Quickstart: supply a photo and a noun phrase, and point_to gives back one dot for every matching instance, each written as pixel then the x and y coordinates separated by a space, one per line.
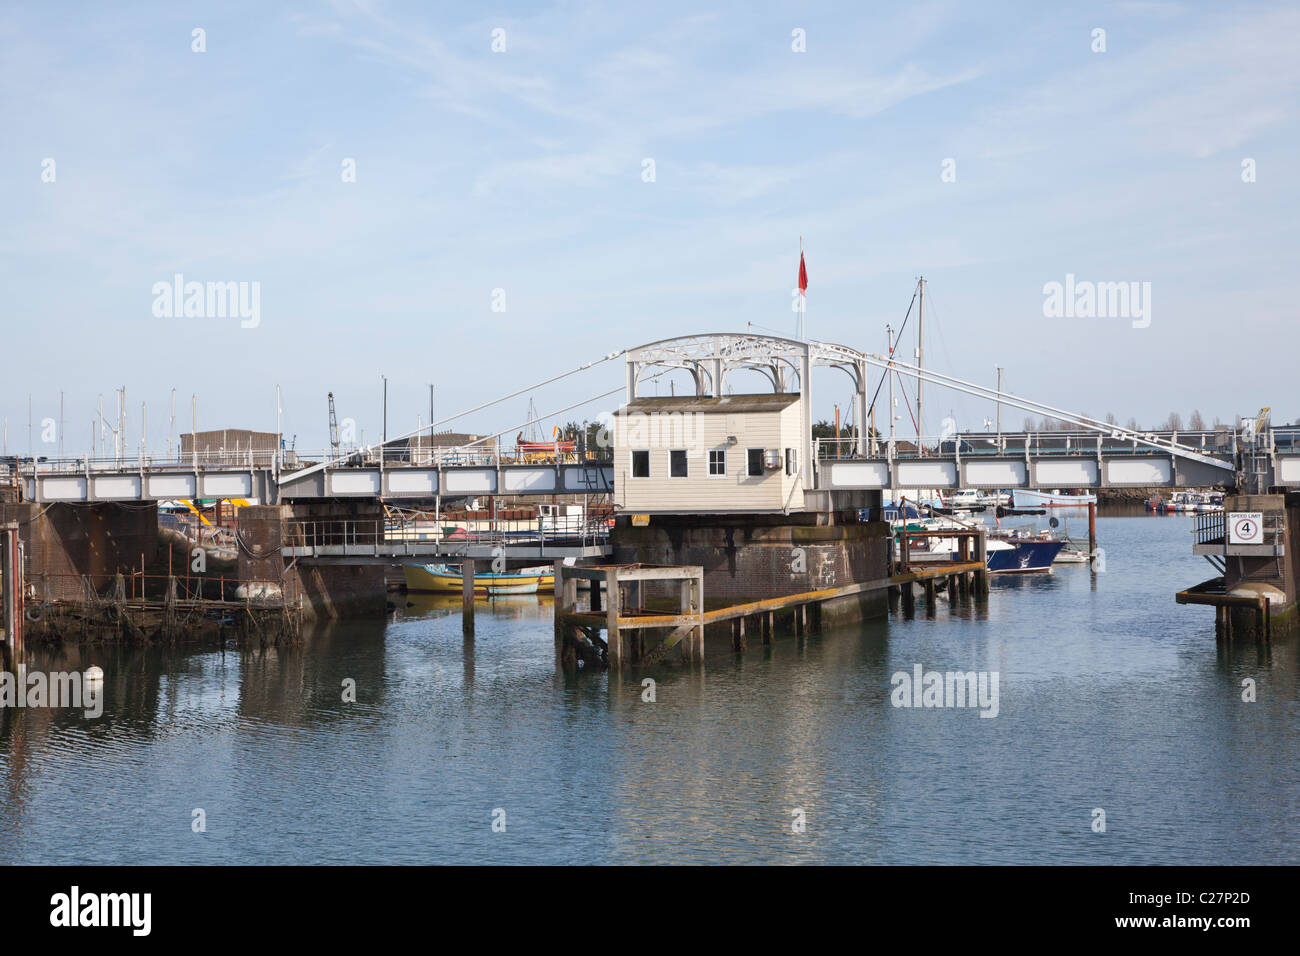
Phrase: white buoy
pixel 94 674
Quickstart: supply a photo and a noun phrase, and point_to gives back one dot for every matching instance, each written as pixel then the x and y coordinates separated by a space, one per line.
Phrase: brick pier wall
pixel 748 558
pixel 64 541
pixel 1250 573
pixel 326 590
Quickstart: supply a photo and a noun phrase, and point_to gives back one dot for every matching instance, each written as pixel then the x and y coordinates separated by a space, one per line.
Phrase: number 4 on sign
pixel 1245 527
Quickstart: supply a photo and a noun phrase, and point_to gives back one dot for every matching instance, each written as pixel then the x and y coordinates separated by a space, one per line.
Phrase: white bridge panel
pixel 233 485
pixel 469 481
pixel 418 482
pixel 1139 471
pixel 588 479
pixel 63 489
pixel 116 488
pixel 353 483
pixel 1065 473
pixel 523 481
pixel 925 474
pixel 856 474
pixel 171 486
pixel 996 473
pixel 1288 470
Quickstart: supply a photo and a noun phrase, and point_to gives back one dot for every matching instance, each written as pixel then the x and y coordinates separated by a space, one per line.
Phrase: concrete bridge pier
pixel 752 557
pixel 65 543
pixel 320 589
pixel 1256 596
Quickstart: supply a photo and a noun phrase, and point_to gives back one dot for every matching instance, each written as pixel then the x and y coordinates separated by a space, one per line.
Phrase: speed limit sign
pixel 1245 527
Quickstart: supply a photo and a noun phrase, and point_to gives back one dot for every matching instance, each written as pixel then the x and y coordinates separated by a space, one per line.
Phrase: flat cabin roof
pixel 727 404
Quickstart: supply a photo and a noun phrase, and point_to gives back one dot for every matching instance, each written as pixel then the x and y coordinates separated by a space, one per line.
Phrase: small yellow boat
pixel 446 579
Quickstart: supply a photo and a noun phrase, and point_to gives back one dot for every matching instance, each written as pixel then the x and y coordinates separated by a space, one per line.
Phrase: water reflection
pixel 1111 695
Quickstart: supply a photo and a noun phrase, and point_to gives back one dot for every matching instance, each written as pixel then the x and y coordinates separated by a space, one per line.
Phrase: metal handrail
pixel 386 535
pixel 1211 527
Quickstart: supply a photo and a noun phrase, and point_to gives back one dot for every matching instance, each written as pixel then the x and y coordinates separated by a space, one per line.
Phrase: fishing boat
pixel 963 499
pixel 1024 498
pixel 446 579
pixel 972 499
pixel 1210 501
pixel 1008 552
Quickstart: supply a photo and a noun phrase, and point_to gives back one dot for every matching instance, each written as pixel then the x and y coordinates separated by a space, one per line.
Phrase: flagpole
pixel 803 301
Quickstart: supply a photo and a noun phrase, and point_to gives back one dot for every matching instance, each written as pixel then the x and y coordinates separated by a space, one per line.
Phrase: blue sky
pixel 522 171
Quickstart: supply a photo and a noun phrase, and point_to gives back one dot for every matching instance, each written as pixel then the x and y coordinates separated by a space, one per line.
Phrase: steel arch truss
pixel 709 358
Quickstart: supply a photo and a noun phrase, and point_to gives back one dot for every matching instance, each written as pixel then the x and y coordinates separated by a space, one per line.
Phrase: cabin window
pixel 792 461
pixel 717 462
pixel 755 462
pixel 641 464
pixel 677 463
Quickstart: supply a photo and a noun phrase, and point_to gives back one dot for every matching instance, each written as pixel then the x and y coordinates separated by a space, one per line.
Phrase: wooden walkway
pixel 625 617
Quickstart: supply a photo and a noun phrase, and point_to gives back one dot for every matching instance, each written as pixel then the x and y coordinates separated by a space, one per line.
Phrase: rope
pixel 907 316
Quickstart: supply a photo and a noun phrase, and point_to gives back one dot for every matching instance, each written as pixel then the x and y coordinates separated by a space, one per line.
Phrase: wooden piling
pixel 691 602
pixel 561 608
pixel 11 588
pixel 1092 532
pixel 909 600
pixel 467 596
pixel 613 606
pixel 738 634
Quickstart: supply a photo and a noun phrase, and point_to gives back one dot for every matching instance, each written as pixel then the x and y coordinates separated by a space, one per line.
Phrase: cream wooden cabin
pixel 729 454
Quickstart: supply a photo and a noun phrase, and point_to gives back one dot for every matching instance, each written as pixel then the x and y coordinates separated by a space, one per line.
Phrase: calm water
pixel 1111 696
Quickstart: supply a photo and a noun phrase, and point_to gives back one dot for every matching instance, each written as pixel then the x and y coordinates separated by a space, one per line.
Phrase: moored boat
pixel 446 579
pixel 1027 555
pixel 1071 553
pixel 1026 498
pixel 1008 552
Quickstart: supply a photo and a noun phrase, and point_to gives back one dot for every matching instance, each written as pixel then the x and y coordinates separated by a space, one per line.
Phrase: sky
pixel 409 202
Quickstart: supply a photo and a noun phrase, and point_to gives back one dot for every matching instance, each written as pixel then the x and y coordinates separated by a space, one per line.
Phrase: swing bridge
pixel 1089 454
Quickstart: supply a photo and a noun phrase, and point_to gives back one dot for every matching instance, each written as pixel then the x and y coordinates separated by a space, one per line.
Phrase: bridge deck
pixel 412 552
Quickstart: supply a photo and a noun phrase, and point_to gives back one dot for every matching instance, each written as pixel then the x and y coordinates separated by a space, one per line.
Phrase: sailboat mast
pixel 920 364
pixel 889 332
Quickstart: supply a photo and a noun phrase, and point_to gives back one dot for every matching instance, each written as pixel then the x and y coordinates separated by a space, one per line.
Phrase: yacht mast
pixel 920 364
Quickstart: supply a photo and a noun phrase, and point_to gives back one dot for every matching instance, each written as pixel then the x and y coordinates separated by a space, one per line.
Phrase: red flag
pixel 803 276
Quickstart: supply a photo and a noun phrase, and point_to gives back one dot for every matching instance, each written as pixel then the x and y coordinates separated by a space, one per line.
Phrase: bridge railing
pixel 1210 528
pixel 1036 443
pixel 388 456
pixel 226 459
pixel 449 533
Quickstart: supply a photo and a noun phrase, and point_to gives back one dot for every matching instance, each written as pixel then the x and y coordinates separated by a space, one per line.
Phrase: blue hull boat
pixel 1026 556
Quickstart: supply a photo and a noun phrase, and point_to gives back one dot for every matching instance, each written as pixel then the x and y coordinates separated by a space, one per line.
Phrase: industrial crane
pixel 334 426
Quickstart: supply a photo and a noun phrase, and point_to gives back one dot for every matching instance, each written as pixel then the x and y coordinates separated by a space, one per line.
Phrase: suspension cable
pixel 496 401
